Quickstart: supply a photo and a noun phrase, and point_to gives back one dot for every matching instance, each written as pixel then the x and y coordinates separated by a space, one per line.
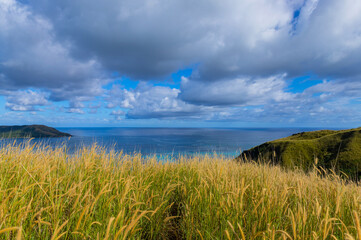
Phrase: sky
pixel 181 63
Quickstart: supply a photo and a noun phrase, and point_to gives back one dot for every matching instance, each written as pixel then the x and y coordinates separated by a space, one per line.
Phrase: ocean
pixel 169 141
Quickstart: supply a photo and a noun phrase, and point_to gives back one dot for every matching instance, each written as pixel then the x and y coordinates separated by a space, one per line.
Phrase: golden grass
pixel 93 194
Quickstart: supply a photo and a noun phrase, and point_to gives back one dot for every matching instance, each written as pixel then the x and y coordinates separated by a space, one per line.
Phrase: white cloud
pixel 118 114
pixel 337 89
pixel 75 110
pixel 148 101
pixel 25 100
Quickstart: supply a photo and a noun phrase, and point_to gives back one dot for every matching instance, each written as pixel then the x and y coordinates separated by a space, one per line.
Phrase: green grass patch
pixel 336 150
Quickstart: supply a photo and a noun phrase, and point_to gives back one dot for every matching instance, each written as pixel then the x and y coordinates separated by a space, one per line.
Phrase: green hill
pixel 32 131
pixel 337 150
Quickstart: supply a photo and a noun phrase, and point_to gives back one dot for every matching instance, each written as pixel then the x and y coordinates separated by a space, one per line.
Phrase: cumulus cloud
pixel 118 114
pixel 239 91
pixel 75 110
pixel 329 102
pixel 151 39
pixel 33 56
pixel 75 106
pixel 155 38
pixel 337 89
pixel 25 100
pixel 148 101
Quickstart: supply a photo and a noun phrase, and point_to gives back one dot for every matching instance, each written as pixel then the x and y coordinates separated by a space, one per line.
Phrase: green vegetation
pixel 93 194
pixel 30 131
pixel 336 150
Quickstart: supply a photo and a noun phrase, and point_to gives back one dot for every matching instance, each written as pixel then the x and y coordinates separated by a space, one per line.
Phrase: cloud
pixel 118 114
pixel 148 101
pixel 33 57
pixel 75 110
pixel 337 89
pixel 244 55
pixel 25 100
pixel 235 92
pixel 152 39
pixel 330 102
pixel 75 106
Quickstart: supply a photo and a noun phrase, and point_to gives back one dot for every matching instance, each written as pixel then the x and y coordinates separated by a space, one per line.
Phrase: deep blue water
pixel 170 141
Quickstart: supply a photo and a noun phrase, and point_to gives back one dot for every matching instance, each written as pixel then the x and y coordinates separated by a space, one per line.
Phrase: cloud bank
pixel 244 55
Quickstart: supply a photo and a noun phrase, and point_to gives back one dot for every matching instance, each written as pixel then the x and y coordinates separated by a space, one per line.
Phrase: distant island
pixel 329 149
pixel 30 131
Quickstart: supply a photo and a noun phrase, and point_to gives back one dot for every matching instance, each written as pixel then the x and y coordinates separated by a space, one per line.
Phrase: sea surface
pixel 169 141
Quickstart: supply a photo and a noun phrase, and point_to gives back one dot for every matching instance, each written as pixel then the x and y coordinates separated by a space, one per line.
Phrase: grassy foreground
pixel 47 194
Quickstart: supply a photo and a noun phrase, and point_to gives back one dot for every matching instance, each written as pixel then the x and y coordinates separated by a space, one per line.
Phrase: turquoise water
pixel 170 141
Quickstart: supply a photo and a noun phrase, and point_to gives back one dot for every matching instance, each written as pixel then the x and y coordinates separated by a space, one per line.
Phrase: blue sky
pixel 231 63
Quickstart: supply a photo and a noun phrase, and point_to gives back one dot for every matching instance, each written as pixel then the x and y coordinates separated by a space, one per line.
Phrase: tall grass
pixel 93 194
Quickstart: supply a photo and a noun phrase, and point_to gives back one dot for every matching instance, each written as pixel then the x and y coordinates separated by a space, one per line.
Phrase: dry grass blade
pixel 241 231
pixel 11 229
pixel 57 230
pixel 357 223
pixel 108 227
pixel 134 223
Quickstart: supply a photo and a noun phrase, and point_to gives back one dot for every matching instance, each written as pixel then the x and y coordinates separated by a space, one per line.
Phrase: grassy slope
pixel 96 195
pixel 32 131
pixel 339 150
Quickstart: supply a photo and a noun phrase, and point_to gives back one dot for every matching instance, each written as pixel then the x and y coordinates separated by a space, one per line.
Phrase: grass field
pixel 94 194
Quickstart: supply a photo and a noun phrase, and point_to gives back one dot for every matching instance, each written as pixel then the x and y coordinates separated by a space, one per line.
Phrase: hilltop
pixel 337 150
pixel 33 131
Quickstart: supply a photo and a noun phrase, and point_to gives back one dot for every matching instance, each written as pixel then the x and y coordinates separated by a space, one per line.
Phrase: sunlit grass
pixel 95 194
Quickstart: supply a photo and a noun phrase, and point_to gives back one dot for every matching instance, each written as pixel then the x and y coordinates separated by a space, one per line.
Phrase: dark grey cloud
pixel 34 58
pixel 235 92
pixel 151 39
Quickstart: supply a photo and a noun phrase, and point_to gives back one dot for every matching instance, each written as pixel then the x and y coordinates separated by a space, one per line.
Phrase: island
pixel 30 131
pixel 339 151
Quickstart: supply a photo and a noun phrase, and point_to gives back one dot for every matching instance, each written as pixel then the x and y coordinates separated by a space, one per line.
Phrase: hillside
pixel 337 150
pixel 34 131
